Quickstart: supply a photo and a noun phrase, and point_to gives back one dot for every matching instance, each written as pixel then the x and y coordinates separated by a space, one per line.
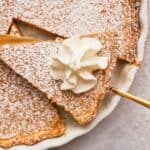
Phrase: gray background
pixel 128 127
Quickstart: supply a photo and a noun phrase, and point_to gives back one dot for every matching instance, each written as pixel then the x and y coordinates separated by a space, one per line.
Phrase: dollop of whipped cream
pixel 77 62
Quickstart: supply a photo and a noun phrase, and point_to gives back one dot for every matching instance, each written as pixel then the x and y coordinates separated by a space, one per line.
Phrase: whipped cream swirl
pixel 77 63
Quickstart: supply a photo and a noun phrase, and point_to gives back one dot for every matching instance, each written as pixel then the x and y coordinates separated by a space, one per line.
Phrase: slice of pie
pixel 26 115
pixel 32 62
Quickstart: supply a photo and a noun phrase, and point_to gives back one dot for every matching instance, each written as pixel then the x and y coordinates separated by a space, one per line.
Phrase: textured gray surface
pixel 128 127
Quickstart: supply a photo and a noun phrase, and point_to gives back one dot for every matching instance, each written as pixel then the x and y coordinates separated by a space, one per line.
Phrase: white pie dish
pixel 123 78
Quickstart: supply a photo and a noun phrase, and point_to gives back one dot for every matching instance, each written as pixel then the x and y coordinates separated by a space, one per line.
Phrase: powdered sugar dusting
pixel 6 14
pixel 23 109
pixel 70 17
